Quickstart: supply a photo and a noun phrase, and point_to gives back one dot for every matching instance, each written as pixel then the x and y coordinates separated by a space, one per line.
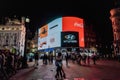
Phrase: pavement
pixel 103 70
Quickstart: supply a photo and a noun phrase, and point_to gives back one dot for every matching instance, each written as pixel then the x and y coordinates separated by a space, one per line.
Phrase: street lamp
pixel 24 63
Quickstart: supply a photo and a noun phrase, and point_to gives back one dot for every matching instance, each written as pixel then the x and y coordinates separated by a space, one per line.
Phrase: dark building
pixel 90 36
pixel 115 20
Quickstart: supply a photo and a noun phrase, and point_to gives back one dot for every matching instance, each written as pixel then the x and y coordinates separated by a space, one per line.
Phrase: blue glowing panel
pixel 54 33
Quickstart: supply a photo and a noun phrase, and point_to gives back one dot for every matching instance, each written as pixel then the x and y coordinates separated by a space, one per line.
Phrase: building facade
pixel 12 35
pixel 115 19
pixel 90 36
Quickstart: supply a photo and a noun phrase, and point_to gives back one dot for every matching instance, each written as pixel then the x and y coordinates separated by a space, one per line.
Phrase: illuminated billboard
pixel 43 31
pixel 50 34
pixel 42 39
pixel 69 39
pixel 74 24
pixel 52 38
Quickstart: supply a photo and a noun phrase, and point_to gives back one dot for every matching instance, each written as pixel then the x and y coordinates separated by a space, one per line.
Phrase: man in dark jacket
pixel 36 55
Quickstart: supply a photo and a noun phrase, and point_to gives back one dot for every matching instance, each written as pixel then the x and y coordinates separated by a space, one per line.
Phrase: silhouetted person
pixel 94 58
pixel 59 69
pixel 36 56
pixel 45 57
pixel 66 58
pixel 50 57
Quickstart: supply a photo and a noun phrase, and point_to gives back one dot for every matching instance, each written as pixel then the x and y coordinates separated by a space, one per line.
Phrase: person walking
pixel 50 58
pixel 94 58
pixel 36 59
pixel 66 58
pixel 59 69
pixel 45 58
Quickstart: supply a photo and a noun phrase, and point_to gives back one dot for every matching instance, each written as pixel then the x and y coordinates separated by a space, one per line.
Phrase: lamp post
pixel 24 62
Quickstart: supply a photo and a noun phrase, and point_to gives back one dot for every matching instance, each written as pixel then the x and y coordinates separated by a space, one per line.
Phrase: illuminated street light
pixel 27 20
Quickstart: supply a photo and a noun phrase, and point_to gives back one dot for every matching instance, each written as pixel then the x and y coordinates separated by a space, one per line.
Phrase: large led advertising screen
pixel 69 39
pixel 50 35
pixel 74 24
pixel 42 37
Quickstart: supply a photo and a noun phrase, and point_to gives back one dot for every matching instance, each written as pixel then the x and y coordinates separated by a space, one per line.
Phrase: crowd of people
pixel 75 58
pixel 68 57
pixel 9 64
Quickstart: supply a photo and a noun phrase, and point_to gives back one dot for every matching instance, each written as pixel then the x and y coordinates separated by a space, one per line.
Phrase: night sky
pixel 94 12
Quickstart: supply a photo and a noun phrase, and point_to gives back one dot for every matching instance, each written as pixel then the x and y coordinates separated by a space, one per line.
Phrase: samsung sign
pixel 69 39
